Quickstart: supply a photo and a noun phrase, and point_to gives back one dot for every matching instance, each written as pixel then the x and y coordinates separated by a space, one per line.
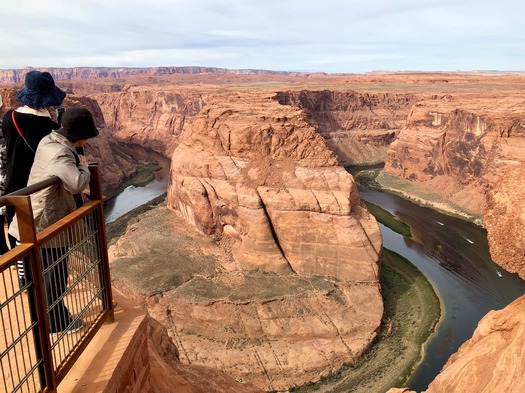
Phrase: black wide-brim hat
pixel 40 91
pixel 78 124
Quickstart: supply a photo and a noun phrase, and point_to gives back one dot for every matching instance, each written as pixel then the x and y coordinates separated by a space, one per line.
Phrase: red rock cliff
pixel 357 126
pixel 460 148
pixel 477 146
pixel 150 116
pixel 257 174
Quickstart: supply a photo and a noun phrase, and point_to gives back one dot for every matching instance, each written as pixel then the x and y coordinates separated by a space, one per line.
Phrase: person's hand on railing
pixel 83 160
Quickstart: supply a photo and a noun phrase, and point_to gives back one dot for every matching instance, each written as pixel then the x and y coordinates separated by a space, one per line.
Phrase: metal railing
pixel 47 321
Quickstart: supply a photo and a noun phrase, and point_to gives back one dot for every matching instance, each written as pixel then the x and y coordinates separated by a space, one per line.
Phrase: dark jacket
pixel 19 156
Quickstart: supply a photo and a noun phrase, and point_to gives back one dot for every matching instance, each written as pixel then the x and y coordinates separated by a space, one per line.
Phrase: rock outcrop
pixel 358 126
pixel 150 116
pixel 492 360
pixel 459 149
pixel 168 374
pixel 258 175
pixel 472 151
pixel 272 330
pixel 505 221
pixel 299 294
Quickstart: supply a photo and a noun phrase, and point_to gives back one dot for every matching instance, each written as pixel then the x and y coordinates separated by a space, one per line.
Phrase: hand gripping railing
pixel 47 321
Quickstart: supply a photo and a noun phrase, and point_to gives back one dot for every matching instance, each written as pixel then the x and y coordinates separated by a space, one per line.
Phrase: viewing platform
pixel 102 347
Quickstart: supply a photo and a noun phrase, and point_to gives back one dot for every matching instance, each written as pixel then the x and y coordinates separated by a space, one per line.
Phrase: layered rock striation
pixel 258 175
pixel 459 149
pixel 12 76
pixel 358 126
pixel 152 117
pixel 298 296
pixel 505 221
pixel 491 361
pixel 471 150
pixel 272 330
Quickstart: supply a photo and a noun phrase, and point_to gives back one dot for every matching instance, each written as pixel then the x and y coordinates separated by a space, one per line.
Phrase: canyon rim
pixel 256 165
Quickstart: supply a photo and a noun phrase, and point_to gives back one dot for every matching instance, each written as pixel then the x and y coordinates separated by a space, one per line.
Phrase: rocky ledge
pixel 272 330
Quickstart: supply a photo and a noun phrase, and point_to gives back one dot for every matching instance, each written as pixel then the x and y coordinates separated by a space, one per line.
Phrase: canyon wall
pixel 491 361
pixel 461 148
pixel 357 126
pixel 12 76
pixel 150 116
pixel 471 150
pixel 505 220
pixel 258 175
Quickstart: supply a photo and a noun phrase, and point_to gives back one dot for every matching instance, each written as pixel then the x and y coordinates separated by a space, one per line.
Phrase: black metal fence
pixel 49 319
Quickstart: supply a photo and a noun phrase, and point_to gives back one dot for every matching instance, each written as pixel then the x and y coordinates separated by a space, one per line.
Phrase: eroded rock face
pixel 492 360
pixel 357 126
pixel 298 296
pixel 459 149
pixel 168 374
pixel 153 117
pixel 11 76
pixel 257 174
pixel 505 221
pixel 268 329
pixel 473 153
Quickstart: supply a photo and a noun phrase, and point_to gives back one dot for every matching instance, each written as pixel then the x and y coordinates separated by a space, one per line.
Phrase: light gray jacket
pixel 55 156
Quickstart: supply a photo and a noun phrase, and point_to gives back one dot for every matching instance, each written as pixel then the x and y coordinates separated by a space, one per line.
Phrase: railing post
pixel 95 189
pixel 37 300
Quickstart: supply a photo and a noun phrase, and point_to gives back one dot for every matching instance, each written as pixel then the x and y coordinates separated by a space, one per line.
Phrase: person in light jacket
pixel 56 155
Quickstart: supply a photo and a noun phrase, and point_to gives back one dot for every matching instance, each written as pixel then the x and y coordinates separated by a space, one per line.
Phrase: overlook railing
pixel 65 267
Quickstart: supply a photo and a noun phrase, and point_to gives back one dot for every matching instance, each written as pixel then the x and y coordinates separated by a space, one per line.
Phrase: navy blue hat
pixel 40 91
pixel 78 124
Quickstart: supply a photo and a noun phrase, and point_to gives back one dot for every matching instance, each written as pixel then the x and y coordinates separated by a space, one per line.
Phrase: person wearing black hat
pixel 56 155
pixel 23 130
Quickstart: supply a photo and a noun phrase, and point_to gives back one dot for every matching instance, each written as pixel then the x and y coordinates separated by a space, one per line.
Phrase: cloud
pixel 330 36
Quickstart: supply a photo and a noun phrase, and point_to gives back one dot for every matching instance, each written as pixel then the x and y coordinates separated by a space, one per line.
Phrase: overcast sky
pixel 353 36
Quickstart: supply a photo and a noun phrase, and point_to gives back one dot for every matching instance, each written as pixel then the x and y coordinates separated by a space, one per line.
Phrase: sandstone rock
pixel 271 330
pixel 358 127
pixel 459 148
pixel 152 117
pixel 8 77
pixel 492 360
pixel 257 174
pixel 505 221
pixel 168 374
